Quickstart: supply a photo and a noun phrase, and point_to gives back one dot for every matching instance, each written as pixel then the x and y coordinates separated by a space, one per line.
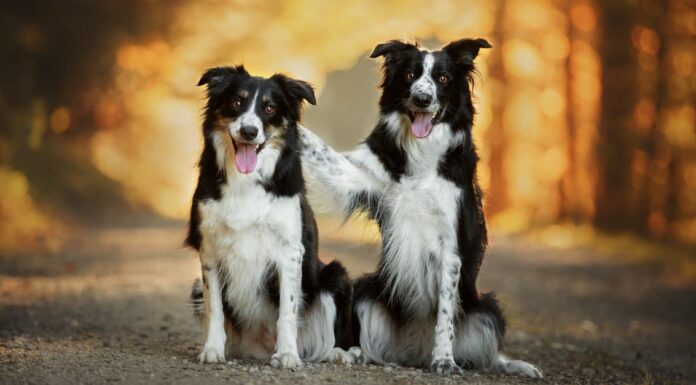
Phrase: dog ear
pixel 464 51
pixel 390 48
pixel 297 89
pixel 218 78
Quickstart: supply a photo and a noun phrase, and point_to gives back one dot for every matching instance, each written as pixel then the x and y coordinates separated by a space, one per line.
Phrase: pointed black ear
pixel 218 77
pixel 464 51
pixel 297 89
pixel 389 48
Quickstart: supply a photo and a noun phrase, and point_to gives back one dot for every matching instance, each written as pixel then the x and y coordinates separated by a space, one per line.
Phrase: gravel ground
pixel 113 309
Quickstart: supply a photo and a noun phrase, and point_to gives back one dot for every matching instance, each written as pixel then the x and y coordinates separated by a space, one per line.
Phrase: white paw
pixel 522 367
pixel 212 355
pixel 354 355
pixel 446 366
pixel 359 357
pixel 286 361
pixel 340 357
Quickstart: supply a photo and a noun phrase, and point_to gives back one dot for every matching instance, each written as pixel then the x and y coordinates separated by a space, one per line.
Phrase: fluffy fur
pixel 415 174
pixel 264 292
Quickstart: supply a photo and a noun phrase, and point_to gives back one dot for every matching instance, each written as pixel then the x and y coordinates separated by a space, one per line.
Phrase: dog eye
pixel 269 110
pixel 236 103
pixel 443 79
pixel 410 76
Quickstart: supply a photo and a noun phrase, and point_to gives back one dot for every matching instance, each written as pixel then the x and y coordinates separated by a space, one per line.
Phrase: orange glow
pixel 552 102
pixel 683 63
pixel 556 46
pixel 522 58
pixel 24 225
pixel 646 40
pixel 60 120
pixel 644 113
pixel 679 126
pixel 538 96
pixel 583 17
pixel 157 106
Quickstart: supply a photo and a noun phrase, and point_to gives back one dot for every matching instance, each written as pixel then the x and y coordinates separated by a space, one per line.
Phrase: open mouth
pixel 422 121
pixel 246 155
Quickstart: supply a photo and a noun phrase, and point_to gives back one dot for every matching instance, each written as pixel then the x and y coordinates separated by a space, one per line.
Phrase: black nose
pixel 248 132
pixel 422 100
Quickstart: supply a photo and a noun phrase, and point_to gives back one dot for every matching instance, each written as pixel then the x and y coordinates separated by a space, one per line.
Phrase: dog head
pixel 426 86
pixel 255 112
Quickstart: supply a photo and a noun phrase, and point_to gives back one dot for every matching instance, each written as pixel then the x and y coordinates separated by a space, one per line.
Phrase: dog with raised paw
pixel 264 293
pixel 415 174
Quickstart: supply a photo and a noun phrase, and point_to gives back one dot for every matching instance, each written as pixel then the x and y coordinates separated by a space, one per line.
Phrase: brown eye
pixel 410 76
pixel 443 79
pixel 269 110
pixel 236 103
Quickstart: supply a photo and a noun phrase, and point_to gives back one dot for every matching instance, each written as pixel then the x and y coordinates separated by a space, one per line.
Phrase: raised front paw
pixel 446 366
pixel 212 355
pixel 286 361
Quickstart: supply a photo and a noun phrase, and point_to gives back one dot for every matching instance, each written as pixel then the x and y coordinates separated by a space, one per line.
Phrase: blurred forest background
pixel 586 108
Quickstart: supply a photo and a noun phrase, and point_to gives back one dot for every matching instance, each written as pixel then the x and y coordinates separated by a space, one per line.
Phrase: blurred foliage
pixel 23 225
pixel 585 108
pixel 57 58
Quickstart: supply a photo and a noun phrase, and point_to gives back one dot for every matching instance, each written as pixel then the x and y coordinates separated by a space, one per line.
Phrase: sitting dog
pixel 415 174
pixel 263 288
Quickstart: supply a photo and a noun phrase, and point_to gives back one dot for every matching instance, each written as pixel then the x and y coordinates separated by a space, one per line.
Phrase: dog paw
pixel 339 356
pixel 286 361
pixel 212 355
pixel 359 357
pixel 354 355
pixel 523 368
pixel 446 366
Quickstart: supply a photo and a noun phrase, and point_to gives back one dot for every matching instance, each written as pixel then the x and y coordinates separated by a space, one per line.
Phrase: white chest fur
pixel 421 227
pixel 246 231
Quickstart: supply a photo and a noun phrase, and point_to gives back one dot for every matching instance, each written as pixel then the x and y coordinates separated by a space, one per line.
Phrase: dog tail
pixel 489 305
pixel 197 300
pixel 334 279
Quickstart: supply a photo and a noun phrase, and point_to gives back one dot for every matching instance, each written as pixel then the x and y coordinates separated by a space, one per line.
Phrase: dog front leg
pixel 214 348
pixel 443 352
pixel 346 181
pixel 290 270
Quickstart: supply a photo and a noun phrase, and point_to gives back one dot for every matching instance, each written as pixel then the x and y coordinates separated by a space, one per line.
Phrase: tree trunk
pixel 614 193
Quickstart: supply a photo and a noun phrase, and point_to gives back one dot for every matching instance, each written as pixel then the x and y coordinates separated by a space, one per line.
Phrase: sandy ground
pixel 113 309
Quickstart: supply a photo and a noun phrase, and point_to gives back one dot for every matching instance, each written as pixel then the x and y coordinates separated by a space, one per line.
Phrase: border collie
pixel 415 174
pixel 263 288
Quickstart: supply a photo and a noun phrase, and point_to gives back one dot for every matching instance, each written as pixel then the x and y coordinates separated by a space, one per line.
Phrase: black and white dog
pixel 264 288
pixel 415 175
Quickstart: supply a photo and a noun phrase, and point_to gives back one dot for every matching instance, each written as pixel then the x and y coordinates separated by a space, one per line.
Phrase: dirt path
pixel 114 310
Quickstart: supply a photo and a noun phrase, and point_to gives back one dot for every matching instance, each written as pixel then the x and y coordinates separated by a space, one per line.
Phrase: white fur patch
pixel 425 84
pixel 214 348
pixel 317 337
pixel 335 178
pixel 248 118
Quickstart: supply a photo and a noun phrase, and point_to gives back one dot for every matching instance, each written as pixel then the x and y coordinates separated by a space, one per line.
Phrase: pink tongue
pixel 422 124
pixel 246 158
